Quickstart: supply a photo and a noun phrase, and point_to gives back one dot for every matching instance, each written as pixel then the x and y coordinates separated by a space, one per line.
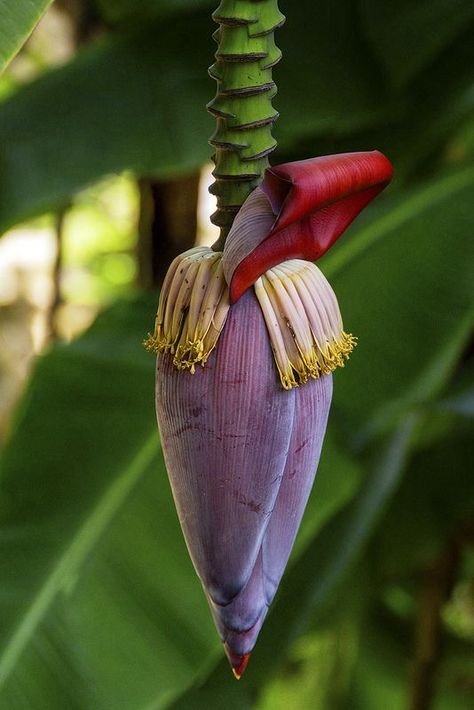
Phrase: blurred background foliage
pixel 104 167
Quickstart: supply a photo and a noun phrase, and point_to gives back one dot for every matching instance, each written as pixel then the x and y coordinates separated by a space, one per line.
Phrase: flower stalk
pixel 242 106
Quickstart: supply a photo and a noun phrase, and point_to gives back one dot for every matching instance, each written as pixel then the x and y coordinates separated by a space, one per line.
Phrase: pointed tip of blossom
pixel 238 663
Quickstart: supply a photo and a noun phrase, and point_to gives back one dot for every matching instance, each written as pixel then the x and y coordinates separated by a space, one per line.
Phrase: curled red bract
pixel 314 201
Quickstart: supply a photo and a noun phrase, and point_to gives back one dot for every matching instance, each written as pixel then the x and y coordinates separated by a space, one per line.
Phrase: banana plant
pixel 248 333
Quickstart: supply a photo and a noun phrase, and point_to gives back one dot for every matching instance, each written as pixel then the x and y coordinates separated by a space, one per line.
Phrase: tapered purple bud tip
pixel 237 663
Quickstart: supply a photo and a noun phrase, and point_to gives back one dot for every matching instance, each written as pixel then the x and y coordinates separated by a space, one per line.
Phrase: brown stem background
pixel 436 588
pixel 167 227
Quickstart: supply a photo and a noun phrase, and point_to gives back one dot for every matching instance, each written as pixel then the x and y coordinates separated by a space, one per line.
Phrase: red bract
pixel 314 201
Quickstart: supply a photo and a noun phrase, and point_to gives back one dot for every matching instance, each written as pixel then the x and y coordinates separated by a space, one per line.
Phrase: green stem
pixel 243 104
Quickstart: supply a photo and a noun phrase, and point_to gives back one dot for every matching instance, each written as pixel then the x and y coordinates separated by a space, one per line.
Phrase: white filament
pixel 303 322
pixel 193 308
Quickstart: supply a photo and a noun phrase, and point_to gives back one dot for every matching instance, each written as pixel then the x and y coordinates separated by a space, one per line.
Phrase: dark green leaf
pixel 408 35
pixel 338 480
pixel 123 10
pixel 404 282
pixel 434 501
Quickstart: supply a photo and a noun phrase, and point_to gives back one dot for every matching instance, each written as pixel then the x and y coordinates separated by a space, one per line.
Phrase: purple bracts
pixel 241 454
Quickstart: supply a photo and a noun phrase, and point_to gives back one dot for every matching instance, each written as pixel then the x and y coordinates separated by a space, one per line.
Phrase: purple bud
pixel 241 453
pixel 243 393
pixel 225 433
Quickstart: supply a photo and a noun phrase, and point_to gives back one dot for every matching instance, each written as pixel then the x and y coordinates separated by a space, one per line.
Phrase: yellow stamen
pixel 295 331
pixel 303 321
pixel 192 310
pixel 276 331
pixel 298 304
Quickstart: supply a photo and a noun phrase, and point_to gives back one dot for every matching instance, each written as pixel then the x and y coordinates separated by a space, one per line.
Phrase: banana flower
pixel 247 340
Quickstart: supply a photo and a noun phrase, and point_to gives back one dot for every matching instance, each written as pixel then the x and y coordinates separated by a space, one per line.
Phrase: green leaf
pixel 318 666
pixel 338 480
pixel 404 283
pixel 137 101
pixel 344 95
pixel 335 550
pixel 380 673
pixel 435 499
pixel 130 102
pixel 17 20
pixel 319 669
pixel 407 36
pixel 462 142
pixel 100 605
pixel 383 673
pixel 419 129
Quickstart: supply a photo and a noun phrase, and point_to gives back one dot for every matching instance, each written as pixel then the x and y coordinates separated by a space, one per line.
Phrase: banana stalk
pixel 243 103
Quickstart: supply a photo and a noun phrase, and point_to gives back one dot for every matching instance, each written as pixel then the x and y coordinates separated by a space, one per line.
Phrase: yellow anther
pixel 192 310
pixel 303 321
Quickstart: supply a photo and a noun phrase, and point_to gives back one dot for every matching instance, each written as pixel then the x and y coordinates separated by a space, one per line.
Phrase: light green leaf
pixel 17 21
pixel 318 668
pixel 100 605
pixel 404 283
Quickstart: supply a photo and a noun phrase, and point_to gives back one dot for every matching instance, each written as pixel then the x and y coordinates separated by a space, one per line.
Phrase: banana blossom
pixel 247 340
